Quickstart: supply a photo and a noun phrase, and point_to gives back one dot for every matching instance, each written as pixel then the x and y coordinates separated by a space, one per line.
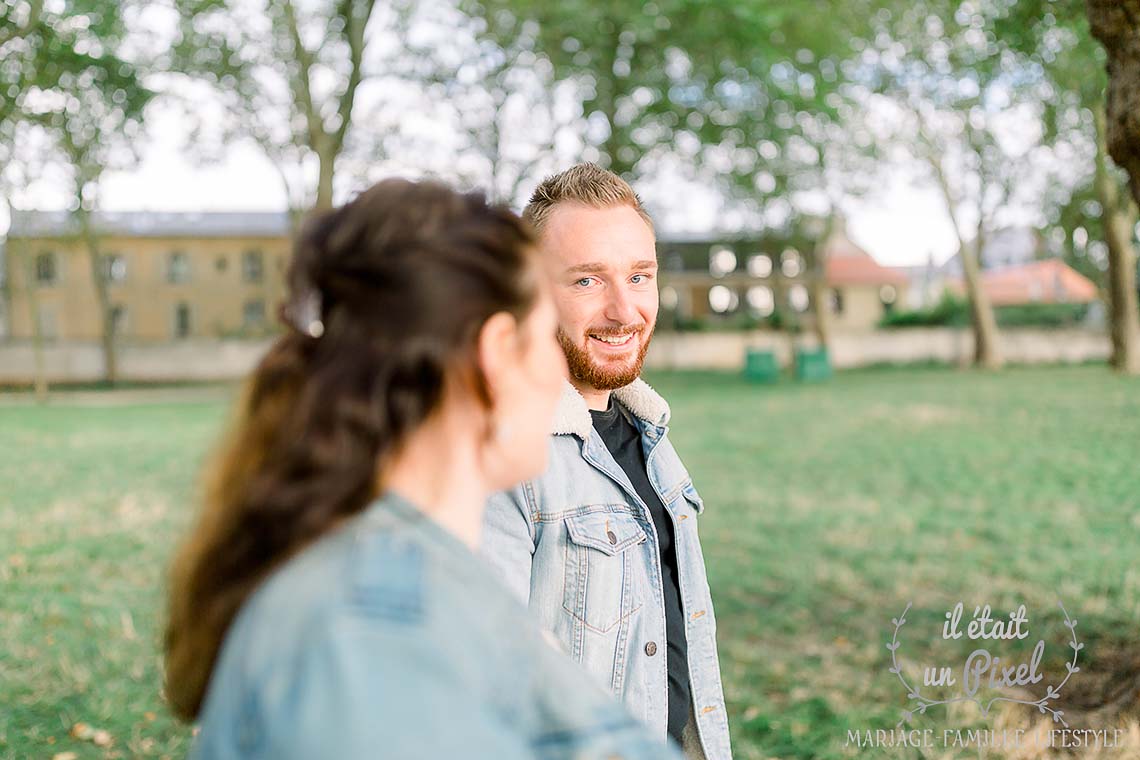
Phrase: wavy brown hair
pixel 405 276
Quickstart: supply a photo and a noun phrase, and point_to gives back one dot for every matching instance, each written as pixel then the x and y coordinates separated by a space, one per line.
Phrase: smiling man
pixel 604 545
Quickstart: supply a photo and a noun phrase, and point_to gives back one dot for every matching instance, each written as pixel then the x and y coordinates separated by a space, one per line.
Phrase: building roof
pixel 1006 247
pixel 848 264
pixel 861 271
pixel 1046 281
pixel 53 224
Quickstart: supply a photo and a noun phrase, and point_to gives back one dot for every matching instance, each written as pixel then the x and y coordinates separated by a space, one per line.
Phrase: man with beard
pixel 604 545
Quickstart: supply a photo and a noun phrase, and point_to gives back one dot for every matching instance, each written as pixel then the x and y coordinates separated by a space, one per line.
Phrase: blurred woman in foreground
pixel 328 603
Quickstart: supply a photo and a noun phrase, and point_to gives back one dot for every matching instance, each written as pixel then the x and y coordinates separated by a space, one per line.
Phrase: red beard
pixel 601 377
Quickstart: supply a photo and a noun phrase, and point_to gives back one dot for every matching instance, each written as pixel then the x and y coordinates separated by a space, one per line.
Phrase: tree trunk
pixel 987 353
pixel 1119 220
pixel 1116 23
pixel 327 159
pixel 102 298
pixel 820 302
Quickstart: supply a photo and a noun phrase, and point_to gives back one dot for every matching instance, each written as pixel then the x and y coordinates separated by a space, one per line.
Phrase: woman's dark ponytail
pixel 387 295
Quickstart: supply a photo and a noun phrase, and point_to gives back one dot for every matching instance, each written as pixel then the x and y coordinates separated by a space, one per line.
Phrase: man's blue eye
pixel 584 280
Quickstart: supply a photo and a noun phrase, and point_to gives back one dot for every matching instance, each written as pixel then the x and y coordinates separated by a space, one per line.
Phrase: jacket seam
pixel 530 513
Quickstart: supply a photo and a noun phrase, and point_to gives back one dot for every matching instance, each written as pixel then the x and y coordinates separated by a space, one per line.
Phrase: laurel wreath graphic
pixel 921 702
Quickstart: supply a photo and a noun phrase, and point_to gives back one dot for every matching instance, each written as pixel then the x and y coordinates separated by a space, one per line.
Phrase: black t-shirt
pixel 624 442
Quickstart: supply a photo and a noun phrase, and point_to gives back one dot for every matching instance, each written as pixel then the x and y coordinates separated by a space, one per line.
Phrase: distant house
pixel 925 284
pixel 1048 281
pixel 1007 247
pixel 1005 253
pixel 862 290
pixel 169 276
pixel 721 278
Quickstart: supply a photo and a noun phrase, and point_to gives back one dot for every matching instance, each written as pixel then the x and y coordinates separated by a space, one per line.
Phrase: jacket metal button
pixel 651 648
pixel 610 535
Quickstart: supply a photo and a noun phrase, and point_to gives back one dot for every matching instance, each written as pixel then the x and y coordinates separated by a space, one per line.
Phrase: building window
pixel 221 263
pixel 723 300
pixel 798 298
pixel 114 267
pixel 837 301
pixel 721 261
pixel 118 319
pixel 253 314
pixel 252 266
pixel 46 273
pixel 759 265
pixel 790 263
pixel 760 300
pixel 888 295
pixel 182 321
pixel 177 267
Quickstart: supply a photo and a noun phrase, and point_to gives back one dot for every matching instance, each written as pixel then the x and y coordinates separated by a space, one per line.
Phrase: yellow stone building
pixel 178 276
pixel 170 276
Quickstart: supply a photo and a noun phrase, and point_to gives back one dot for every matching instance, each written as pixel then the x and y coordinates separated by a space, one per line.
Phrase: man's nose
pixel 620 306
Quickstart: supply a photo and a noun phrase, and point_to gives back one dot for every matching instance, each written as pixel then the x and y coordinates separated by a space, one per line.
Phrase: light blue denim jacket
pixel 580 546
pixel 390 639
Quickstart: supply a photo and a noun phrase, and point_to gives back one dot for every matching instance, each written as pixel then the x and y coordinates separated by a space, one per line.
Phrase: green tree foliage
pixel 676 76
pixel 1056 38
pixel 287 73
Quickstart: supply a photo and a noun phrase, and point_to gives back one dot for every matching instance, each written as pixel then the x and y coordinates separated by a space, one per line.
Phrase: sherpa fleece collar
pixel 572 417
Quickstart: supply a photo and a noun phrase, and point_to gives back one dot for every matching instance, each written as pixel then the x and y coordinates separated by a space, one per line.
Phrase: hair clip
pixel 307 314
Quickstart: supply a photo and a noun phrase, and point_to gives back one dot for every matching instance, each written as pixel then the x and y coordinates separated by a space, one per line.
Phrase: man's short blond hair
pixel 584 183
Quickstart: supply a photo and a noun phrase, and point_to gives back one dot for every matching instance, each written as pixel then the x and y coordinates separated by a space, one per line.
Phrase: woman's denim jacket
pixel 389 638
pixel 579 545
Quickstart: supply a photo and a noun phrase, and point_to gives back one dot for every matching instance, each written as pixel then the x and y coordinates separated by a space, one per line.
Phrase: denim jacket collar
pixel 572 416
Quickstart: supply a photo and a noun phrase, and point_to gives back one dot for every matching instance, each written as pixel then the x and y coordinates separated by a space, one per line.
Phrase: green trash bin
pixel 761 366
pixel 813 365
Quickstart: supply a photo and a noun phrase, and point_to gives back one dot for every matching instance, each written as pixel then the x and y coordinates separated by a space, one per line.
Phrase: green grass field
pixel 828 508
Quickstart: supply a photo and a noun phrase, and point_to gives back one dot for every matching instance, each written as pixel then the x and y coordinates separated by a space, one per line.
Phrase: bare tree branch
pixel 301 78
pixel 354 31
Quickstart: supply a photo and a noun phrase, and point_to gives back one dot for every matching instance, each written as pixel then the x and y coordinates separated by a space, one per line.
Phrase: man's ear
pixel 497 348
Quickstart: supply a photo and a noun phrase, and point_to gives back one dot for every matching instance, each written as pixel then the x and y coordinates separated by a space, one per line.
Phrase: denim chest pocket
pixel 689 491
pixel 600 589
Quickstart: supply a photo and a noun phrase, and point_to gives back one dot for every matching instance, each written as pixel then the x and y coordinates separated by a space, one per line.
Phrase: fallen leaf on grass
pixel 86 733
pixel 64 756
